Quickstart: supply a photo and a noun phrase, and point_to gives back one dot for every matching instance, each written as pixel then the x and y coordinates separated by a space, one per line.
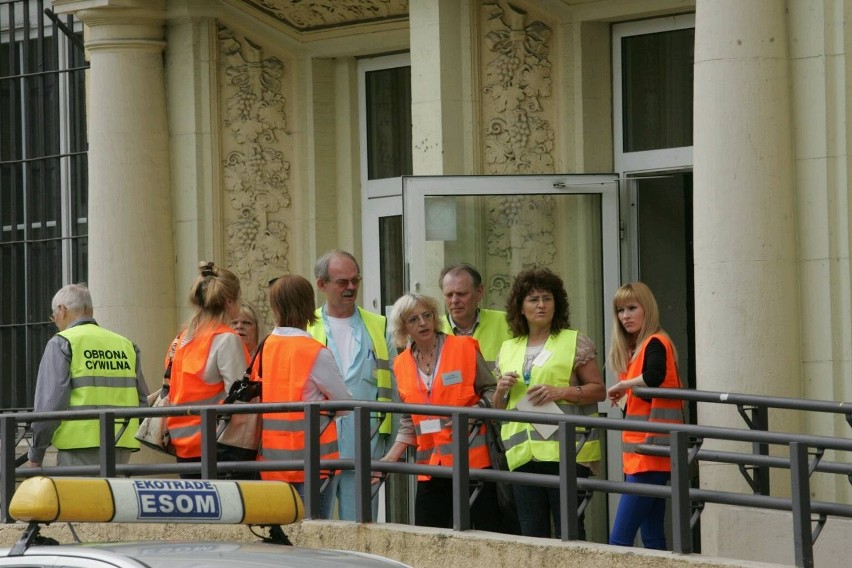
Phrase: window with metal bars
pixel 43 182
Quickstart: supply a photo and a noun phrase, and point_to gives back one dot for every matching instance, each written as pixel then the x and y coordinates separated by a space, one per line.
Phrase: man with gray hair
pixel 461 285
pixel 84 366
pixel 363 350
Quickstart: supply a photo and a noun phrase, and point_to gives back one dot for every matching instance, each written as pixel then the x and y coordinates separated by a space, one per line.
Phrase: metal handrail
pixel 683 497
pixel 746 399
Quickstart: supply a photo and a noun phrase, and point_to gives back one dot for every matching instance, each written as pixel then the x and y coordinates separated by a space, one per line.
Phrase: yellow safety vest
pixel 103 375
pixel 492 331
pixel 376 326
pixel 522 441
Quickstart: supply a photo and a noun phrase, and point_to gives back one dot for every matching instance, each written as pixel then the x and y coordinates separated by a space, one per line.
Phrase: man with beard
pixel 363 351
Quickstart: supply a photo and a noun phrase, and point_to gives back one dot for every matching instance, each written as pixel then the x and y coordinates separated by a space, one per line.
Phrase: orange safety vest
pixel 457 366
pixel 187 387
pixel 288 363
pixel 655 410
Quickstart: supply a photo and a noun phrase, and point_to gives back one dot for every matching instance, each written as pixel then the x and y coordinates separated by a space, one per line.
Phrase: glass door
pixel 504 224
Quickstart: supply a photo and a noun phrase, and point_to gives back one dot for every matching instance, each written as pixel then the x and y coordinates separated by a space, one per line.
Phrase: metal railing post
pixel 461 473
pixel 312 461
pixel 8 434
pixel 568 482
pixel 107 449
pixel 209 458
pixel 801 501
pixel 681 509
pixel 363 455
pixel 760 421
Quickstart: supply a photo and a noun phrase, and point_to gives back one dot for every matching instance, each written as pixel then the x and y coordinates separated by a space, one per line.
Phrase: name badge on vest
pixel 430 426
pixel 542 358
pixel 451 378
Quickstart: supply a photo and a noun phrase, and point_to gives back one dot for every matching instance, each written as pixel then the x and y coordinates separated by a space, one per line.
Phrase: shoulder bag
pixel 153 431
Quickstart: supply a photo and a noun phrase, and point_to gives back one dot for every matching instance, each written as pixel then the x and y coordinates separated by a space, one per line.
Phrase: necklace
pixel 427 363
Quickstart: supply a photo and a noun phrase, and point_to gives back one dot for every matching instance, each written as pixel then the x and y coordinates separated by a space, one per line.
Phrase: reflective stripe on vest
pixel 288 361
pixel 657 410
pixel 491 332
pixel 187 387
pixel 458 354
pixel 522 441
pixel 376 326
pixel 103 375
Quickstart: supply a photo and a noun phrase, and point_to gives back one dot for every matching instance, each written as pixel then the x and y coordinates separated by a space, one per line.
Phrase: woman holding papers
pixel 643 355
pixel 545 367
pixel 442 370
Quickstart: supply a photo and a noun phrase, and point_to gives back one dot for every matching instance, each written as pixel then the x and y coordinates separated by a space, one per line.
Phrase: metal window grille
pixel 43 182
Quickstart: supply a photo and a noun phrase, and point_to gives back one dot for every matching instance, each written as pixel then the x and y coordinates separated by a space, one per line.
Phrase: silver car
pixel 190 555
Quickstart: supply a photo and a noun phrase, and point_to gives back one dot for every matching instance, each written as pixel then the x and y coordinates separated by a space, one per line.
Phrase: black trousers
pixel 226 453
pixel 433 505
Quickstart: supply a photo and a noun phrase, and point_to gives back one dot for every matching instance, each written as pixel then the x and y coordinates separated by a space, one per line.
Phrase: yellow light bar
pixel 76 499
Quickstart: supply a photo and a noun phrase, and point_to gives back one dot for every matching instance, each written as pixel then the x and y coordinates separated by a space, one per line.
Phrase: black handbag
pixel 246 389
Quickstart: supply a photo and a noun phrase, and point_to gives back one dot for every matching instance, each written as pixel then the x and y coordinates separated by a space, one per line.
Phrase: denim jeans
pixel 538 505
pixel 326 497
pixel 638 512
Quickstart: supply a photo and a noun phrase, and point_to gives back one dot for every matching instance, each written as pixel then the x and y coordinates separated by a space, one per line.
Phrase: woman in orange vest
pixel 207 357
pixel 643 355
pixel 444 370
pixel 295 367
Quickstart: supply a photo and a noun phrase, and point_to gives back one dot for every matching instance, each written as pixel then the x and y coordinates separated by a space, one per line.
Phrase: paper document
pixel 546 430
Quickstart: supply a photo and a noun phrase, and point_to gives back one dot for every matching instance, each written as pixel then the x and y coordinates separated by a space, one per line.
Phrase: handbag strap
pixel 258 354
pixel 233 394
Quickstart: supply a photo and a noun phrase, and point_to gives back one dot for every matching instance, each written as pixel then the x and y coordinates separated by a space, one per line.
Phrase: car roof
pixel 185 554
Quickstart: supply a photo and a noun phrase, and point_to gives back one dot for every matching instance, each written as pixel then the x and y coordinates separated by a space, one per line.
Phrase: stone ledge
pixel 420 547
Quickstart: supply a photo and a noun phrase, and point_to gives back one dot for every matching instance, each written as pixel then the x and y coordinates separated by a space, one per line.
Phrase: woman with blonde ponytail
pixel 207 357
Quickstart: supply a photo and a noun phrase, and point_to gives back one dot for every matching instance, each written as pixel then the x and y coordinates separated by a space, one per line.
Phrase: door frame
pixel 417 188
pixel 372 211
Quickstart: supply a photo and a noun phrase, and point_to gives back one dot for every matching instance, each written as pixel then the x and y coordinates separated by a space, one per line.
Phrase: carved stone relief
pixel 255 167
pixel 518 137
pixel 320 14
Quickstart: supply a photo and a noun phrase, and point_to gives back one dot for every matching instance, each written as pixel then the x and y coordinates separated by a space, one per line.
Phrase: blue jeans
pixel 637 512
pixel 326 498
pixel 537 505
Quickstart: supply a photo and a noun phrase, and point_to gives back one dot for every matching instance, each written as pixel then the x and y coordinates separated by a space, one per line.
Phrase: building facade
pixel 260 133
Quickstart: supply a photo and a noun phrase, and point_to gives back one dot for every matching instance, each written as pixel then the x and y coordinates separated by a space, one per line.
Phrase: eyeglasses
pixel 344 282
pixel 53 313
pixel 425 316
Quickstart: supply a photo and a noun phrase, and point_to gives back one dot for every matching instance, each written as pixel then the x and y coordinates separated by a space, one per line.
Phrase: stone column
pixel 437 62
pixel 747 312
pixel 131 244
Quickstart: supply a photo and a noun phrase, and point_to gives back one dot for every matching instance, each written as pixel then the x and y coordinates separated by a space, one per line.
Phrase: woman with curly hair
pixel 545 363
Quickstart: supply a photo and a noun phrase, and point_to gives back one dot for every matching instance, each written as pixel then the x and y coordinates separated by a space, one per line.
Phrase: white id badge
pixel 451 378
pixel 430 426
pixel 542 357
